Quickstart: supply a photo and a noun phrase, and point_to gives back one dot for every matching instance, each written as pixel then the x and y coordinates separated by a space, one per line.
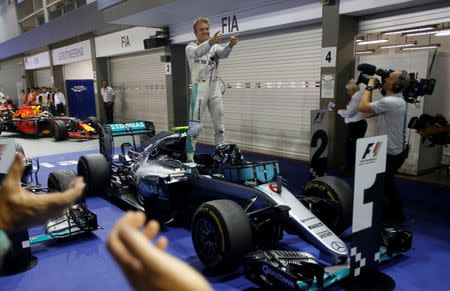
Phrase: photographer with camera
pixel 391 112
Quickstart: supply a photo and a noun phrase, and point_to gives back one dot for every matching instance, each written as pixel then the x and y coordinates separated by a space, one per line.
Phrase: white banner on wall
pixel 37 61
pixel 262 17
pixel 122 42
pixel 72 53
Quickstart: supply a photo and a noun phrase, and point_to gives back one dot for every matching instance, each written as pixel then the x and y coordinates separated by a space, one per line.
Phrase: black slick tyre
pixel 221 234
pixel 59 181
pixel 337 191
pixel 96 173
pixel 59 130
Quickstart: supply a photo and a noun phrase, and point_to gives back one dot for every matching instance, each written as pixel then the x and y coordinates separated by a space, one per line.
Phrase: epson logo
pixel 280 277
pixel 316 225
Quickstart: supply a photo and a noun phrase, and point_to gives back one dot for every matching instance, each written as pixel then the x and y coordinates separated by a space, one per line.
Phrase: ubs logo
pixel 78 89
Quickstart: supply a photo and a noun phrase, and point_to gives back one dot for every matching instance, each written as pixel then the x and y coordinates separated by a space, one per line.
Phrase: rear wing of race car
pixel 132 128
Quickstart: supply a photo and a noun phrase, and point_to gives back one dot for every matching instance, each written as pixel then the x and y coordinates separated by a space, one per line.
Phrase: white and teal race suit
pixel 203 62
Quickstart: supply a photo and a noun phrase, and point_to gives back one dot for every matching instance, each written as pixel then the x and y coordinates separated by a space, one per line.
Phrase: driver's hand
pixel 217 37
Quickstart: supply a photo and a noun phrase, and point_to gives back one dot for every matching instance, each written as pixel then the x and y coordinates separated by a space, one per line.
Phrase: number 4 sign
pixel 168 68
pixel 329 57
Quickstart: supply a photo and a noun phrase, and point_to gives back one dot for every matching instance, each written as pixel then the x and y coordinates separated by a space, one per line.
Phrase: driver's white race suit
pixel 203 62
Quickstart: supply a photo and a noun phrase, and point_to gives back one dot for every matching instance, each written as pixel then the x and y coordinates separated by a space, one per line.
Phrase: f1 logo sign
pixel 372 148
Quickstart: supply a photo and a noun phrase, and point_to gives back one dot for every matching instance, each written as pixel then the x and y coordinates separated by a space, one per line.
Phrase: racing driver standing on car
pixel 203 58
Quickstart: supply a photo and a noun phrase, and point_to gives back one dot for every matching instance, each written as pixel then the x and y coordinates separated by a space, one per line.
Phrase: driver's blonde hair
pixel 200 20
pixel 352 85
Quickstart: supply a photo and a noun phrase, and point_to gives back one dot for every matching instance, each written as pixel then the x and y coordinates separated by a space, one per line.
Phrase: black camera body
pixel 411 90
pixel 424 121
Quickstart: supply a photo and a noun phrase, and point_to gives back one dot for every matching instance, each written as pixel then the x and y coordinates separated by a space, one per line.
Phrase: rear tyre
pixel 334 190
pixel 59 130
pixel 92 120
pixel 96 173
pixel 221 234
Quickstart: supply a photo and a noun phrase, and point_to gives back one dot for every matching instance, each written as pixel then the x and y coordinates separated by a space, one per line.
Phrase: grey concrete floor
pixel 45 146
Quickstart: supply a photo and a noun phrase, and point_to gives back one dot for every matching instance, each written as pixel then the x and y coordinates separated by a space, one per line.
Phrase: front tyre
pixel 96 173
pixel 221 234
pixel 334 191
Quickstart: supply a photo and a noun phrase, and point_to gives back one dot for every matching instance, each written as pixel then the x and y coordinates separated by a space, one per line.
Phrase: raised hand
pixel 216 38
pixel 233 39
pixel 146 265
pixel 20 208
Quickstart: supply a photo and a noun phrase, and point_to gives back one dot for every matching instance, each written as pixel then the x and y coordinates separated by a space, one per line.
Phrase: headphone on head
pixel 399 85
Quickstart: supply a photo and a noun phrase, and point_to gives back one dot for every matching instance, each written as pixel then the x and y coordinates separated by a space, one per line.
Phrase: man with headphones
pixel 391 113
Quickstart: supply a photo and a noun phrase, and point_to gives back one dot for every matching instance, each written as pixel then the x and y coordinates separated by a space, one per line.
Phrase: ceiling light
pixel 409 30
pixel 364 52
pixel 424 47
pixel 443 32
pixel 398 45
pixel 420 33
pixel 372 41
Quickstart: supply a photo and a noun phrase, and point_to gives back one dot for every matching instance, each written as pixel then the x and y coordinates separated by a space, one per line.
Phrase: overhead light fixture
pixel 423 47
pixel 398 45
pixel 409 30
pixel 364 52
pixel 443 32
pixel 372 41
pixel 420 33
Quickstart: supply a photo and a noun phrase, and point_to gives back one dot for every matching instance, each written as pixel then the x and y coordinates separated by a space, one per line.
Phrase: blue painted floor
pixel 85 264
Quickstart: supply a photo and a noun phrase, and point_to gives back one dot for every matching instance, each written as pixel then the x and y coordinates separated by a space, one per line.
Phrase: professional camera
pixel 425 121
pixel 411 91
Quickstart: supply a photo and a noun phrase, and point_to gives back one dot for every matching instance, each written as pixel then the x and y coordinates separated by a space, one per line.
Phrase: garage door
pixel 139 81
pixel 272 82
pixel 11 81
pixel 43 77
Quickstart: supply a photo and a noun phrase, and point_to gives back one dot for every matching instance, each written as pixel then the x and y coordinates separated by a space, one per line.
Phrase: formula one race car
pixel 232 205
pixel 32 120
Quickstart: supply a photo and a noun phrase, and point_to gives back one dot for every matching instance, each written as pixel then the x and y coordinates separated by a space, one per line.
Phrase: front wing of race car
pixel 78 219
pixel 295 270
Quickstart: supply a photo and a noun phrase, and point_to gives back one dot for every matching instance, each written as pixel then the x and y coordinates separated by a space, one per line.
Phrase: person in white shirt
pixel 203 58
pixel 355 121
pixel 60 102
pixel 109 96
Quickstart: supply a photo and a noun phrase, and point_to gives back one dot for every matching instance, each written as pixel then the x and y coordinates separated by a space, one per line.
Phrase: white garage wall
pixel 79 71
pixel 140 85
pixel 43 77
pixel 11 73
pixel 273 81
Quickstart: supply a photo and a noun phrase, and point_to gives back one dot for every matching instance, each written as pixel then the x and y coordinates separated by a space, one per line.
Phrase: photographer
pixel 391 112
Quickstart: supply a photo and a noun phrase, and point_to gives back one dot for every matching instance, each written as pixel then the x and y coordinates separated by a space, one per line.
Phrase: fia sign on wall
pixel 370 165
pixel 318 143
pixel 124 41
